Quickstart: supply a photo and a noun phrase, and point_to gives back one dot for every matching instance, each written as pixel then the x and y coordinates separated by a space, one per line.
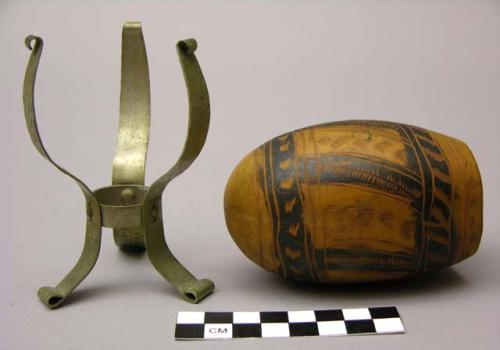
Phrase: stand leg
pixel 190 288
pixel 133 133
pixel 53 297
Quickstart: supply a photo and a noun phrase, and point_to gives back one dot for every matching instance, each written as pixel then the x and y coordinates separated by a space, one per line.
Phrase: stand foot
pixel 189 287
pixel 50 297
pixel 53 297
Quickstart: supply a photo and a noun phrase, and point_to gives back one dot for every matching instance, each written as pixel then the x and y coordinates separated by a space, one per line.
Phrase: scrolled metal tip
pixel 187 46
pixel 50 297
pixel 199 290
pixel 29 41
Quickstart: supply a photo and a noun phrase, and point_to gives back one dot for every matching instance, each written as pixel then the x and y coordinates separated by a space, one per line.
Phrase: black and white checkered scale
pixel 193 325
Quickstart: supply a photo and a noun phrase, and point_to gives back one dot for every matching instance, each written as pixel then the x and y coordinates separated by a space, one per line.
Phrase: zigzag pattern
pixel 438 228
pixel 287 211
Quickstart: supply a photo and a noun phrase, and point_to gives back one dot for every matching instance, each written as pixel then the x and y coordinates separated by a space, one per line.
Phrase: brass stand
pixel 131 209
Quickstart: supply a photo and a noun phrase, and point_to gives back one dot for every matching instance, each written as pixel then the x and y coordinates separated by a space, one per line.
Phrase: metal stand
pixel 130 208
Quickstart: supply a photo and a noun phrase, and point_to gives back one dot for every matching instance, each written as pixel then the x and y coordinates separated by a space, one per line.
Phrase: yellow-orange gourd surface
pixel 356 201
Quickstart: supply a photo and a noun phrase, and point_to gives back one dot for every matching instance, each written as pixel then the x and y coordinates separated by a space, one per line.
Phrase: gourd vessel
pixel 356 201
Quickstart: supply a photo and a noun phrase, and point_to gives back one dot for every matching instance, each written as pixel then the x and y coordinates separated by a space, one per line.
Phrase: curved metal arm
pixel 29 108
pixel 192 289
pixel 135 109
pixel 131 151
pixel 53 297
pixel 199 116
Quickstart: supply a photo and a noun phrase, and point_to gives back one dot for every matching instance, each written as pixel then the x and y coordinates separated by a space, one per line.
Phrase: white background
pixel 271 67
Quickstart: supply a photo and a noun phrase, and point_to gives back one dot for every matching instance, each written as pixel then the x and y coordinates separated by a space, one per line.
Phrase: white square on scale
pixel 389 325
pixel 356 314
pixel 301 316
pixel 218 331
pixel 275 330
pixel 332 328
pixel 190 317
pixel 246 317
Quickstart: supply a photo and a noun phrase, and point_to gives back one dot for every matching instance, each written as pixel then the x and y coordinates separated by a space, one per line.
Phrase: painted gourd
pixel 356 201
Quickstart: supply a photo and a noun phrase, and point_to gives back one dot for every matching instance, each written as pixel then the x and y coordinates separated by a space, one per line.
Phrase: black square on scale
pixel 273 316
pixel 247 330
pixel 360 326
pixel 384 312
pixel 188 331
pixel 329 315
pixel 218 317
pixel 303 329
